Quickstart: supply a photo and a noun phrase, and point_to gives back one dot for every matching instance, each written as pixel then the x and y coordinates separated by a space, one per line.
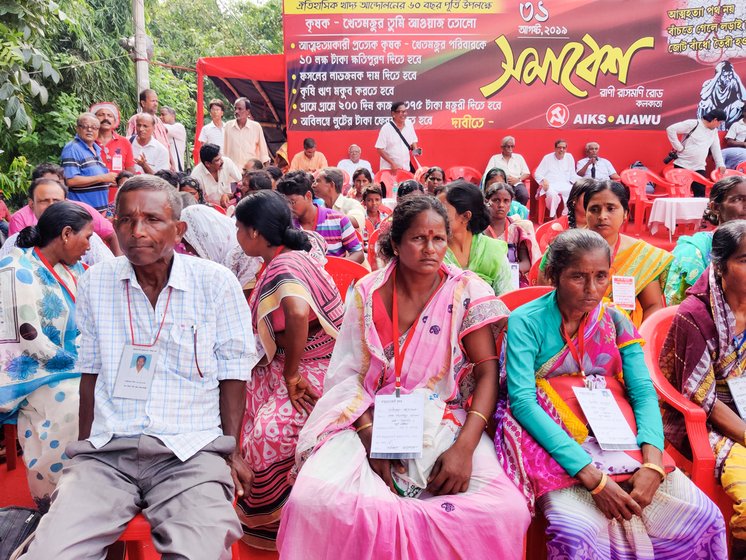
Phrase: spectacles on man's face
pixel 511 146
pixel 89 126
pixel 401 111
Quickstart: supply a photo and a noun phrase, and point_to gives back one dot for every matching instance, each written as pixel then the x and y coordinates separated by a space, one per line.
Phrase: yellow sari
pixel 646 263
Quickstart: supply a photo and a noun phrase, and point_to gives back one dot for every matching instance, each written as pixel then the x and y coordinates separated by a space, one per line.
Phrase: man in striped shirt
pixel 86 175
pixel 334 227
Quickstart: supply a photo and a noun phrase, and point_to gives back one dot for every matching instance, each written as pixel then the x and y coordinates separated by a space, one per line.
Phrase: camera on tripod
pixel 672 155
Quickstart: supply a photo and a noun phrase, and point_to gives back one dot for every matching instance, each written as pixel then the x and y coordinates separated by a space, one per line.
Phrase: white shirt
pixel 391 143
pixel 213 189
pixel 604 169
pixel 350 166
pixel 177 144
pixel 211 134
pixel 514 167
pixel 737 131
pixel 156 155
pixel 558 172
pixel 693 155
pixel 351 208
pixel 183 408
pixel 97 253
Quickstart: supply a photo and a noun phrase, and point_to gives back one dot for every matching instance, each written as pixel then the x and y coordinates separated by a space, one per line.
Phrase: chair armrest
pixel 695 418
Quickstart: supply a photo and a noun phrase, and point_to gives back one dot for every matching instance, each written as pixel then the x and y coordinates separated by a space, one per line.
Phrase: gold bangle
pixel 482 416
pixel 294 380
pixel 656 468
pixel 363 427
pixel 601 485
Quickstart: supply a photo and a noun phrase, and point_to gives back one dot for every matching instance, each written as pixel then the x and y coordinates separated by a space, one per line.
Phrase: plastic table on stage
pixel 671 212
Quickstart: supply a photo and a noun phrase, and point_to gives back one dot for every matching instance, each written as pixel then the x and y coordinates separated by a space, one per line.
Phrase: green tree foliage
pixel 57 58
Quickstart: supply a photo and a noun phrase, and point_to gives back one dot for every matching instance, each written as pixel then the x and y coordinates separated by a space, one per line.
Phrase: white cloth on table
pixel 672 211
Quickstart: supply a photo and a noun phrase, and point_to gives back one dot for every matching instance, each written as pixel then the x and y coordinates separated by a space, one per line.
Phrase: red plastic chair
pixel 10 435
pixel 702 466
pixel 533 274
pixel 716 175
pixel 546 232
pixel 138 534
pixel 641 205
pixel 386 176
pixel 113 194
pixel 741 167
pixel 516 298
pixel 344 273
pixel 639 178
pixel 462 172
pixel 685 178
pixel 372 242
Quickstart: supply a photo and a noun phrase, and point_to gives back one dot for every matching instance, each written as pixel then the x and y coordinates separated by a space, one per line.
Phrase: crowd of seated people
pixel 257 359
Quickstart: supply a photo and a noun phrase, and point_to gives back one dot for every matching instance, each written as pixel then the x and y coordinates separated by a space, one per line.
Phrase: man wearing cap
pixel 243 138
pixel 116 151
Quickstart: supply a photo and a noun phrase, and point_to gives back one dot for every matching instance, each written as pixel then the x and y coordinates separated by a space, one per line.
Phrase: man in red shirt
pixel 116 151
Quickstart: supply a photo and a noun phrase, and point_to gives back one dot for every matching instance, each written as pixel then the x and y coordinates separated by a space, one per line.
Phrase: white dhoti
pixel 558 190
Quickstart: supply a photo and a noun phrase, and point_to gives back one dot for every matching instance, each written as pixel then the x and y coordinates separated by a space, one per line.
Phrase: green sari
pixel 488 258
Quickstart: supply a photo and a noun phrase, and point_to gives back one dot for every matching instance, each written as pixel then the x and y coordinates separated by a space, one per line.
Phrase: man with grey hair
pixel 515 168
pixel 353 161
pixel 163 442
pixel 176 137
pixel 86 174
pixel 149 104
pixel 328 187
pixel 594 167
pixel 243 137
pixel 150 155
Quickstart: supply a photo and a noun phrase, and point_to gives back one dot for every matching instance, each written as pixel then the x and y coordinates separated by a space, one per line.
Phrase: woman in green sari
pixel 468 247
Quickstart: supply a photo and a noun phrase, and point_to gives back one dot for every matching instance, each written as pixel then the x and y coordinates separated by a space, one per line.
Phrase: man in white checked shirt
pixel 167 448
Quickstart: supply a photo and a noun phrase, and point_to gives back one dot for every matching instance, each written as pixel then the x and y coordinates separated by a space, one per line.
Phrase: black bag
pixel 16 524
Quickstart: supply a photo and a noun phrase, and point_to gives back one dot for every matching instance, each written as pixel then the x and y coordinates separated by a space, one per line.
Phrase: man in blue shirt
pixel 86 175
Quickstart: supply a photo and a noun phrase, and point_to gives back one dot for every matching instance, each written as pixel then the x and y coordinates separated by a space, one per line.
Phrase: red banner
pixel 462 64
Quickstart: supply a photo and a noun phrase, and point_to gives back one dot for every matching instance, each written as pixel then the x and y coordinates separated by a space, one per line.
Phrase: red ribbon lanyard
pixel 51 269
pixel 279 250
pixel 577 351
pixel 399 353
pixel 163 319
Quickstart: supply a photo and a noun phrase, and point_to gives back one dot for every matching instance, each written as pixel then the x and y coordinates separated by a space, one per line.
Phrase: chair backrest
pixel 372 241
pixel 462 172
pixel 716 175
pixel 685 178
pixel 545 233
pixel 533 274
pixel 344 273
pixel 741 167
pixel 387 177
pixel 639 179
pixel 516 298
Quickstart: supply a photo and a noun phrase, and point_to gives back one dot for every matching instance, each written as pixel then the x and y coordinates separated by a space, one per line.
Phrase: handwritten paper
pixel 606 419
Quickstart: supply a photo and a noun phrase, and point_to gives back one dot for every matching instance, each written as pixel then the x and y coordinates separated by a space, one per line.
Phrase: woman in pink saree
pixel 453 502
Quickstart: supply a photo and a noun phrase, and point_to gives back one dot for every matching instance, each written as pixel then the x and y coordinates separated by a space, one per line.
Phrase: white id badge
pixel 623 292
pixel 609 425
pixel 515 276
pixel 135 374
pixel 116 163
pixel 737 386
pixel 398 427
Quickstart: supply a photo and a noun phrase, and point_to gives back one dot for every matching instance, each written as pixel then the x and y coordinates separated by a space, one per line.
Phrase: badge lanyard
pixel 577 351
pixel 53 272
pixel 163 319
pixel 616 247
pixel 399 353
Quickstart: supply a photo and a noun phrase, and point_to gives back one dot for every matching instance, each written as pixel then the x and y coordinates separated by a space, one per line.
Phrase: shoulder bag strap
pixel 396 128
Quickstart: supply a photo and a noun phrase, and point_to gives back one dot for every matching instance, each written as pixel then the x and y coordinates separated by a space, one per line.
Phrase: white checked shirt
pixel 182 409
